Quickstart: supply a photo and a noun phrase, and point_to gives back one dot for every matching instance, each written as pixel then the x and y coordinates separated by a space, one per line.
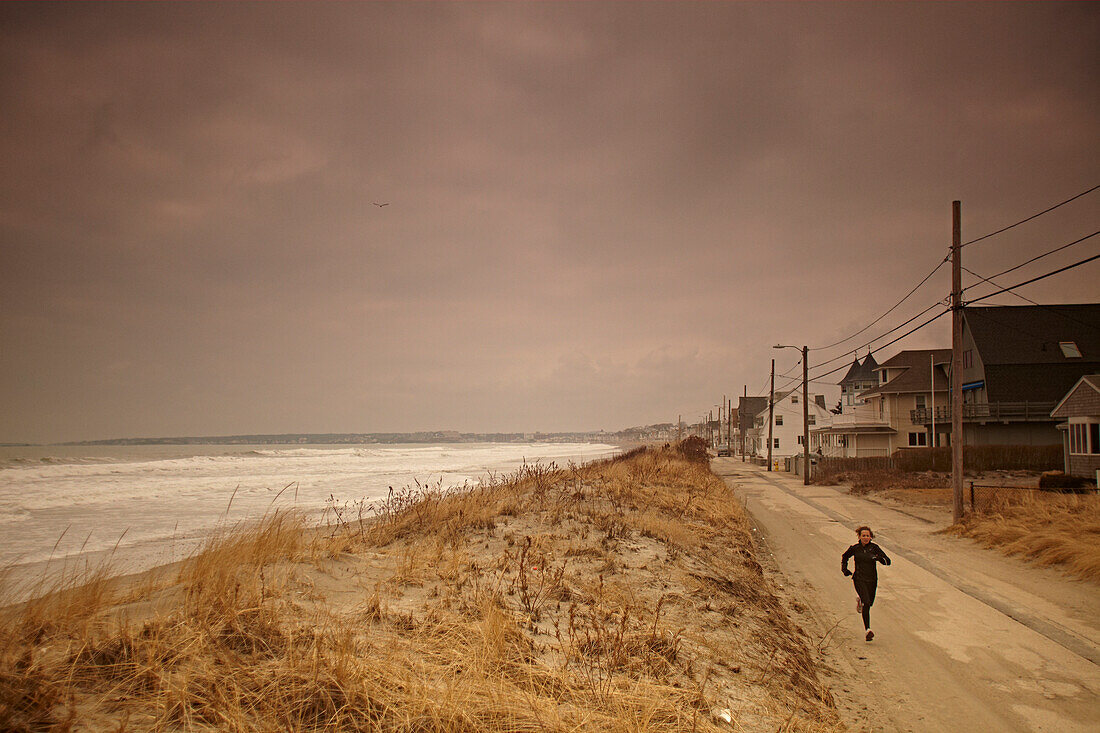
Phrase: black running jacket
pixel 865 556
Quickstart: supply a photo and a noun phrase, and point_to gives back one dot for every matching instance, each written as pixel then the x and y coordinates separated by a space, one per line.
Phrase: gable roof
pixel 1090 380
pixel 917 375
pixel 1030 334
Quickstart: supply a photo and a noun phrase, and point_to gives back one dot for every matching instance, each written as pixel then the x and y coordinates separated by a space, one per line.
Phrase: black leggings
pixel 865 589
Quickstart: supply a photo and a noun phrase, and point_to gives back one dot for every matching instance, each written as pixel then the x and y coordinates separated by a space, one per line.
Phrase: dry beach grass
pixel 617 596
pixel 1045 527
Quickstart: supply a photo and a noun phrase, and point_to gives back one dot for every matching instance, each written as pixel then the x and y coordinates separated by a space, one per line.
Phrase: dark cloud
pixel 600 213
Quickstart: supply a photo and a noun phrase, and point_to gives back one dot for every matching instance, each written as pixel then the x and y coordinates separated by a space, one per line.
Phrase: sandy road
pixel 966 639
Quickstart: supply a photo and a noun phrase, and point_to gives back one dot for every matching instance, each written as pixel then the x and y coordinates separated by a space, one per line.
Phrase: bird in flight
pixel 380 205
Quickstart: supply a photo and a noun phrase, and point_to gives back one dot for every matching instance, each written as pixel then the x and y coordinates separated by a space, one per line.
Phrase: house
pixel 878 420
pixel 747 410
pixel 787 423
pixel 1018 362
pixel 1080 408
pixel 859 378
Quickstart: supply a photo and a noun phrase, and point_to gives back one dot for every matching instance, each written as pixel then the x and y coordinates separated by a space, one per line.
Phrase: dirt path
pixel 966 639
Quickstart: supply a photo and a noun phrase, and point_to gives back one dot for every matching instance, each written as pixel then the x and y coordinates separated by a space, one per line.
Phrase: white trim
pixel 1084 378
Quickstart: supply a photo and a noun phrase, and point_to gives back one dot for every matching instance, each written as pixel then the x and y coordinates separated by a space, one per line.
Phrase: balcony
pixel 988 412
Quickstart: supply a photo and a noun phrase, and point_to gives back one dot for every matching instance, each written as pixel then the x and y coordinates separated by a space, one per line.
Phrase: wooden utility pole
pixel 805 417
pixel 932 388
pixel 771 410
pixel 729 426
pixel 679 427
pixel 741 423
pixel 956 362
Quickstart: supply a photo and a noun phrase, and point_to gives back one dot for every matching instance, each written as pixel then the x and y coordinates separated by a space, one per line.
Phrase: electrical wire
pixel 1036 279
pixel 1037 257
pixel 1038 305
pixel 996 285
pixel 876 338
pixel 889 311
pixel 1033 216
pixel 889 343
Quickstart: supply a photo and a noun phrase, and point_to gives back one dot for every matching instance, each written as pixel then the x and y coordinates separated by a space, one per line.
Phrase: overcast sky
pixel 599 214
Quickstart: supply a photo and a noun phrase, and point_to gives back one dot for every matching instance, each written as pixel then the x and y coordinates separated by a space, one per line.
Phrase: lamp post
pixel 805 413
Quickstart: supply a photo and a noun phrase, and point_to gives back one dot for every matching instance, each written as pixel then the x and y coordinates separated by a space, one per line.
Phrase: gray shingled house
pixel 1018 362
pixel 1080 409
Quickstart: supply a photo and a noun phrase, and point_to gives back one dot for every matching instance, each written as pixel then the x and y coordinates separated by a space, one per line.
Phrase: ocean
pixel 142 506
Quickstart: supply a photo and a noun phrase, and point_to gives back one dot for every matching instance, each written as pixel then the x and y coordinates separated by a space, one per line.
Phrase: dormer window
pixel 1069 349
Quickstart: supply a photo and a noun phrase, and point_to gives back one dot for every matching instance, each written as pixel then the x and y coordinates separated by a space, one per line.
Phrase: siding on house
pixel 1080 408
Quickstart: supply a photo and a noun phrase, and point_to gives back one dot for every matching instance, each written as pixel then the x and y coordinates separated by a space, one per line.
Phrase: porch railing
pixel 976 412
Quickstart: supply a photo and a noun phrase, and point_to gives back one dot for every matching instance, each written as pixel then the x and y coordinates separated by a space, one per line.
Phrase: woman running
pixel 866 554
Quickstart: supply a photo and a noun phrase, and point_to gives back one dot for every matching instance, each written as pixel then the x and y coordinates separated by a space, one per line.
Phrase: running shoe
pixel 870 635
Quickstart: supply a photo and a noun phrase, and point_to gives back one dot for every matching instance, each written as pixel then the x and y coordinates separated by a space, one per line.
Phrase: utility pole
pixel 729 426
pixel 956 362
pixel 741 423
pixel 805 417
pixel 679 428
pixel 771 410
pixel 932 387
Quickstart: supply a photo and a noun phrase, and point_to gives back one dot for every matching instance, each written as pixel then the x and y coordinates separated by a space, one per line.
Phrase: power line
pixel 888 312
pixel 1037 257
pixel 1036 279
pixel 1038 305
pixel 876 338
pixel 996 285
pixel 1033 216
pixel 889 343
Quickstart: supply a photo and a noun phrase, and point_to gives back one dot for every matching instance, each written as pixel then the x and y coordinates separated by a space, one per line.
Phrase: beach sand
pixel 621 595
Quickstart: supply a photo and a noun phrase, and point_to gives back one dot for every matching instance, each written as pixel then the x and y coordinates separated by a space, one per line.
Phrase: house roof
pixel 1020 348
pixel 917 375
pixel 1030 334
pixel 864 372
pixel 1088 380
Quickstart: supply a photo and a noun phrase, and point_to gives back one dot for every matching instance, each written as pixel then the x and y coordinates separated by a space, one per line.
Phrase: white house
pixel 787 423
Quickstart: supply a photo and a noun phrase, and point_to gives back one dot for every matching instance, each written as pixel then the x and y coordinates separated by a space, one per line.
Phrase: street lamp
pixel 805 413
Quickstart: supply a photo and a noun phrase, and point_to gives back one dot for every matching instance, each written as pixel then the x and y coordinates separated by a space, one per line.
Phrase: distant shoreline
pixel 618 438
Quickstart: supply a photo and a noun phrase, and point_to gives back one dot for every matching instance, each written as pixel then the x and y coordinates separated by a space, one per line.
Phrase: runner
pixel 866 554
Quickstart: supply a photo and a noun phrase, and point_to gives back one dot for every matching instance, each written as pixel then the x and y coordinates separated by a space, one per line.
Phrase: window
pixel 968 359
pixel 1084 438
pixel 812 420
pixel 921 403
pixel 800 440
pixel 1069 349
pixel 777 442
pixel 778 419
pixel 881 407
pixel 794 397
pixel 918 440
pixel 1075 438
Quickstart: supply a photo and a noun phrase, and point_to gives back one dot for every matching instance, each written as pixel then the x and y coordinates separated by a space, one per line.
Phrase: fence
pixel 975 458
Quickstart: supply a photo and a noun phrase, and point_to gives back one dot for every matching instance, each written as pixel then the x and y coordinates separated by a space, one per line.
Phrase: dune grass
pixel 617 596
pixel 1044 527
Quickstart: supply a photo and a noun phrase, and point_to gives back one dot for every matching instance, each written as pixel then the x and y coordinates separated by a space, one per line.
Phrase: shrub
pixel 694 449
pixel 1059 480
